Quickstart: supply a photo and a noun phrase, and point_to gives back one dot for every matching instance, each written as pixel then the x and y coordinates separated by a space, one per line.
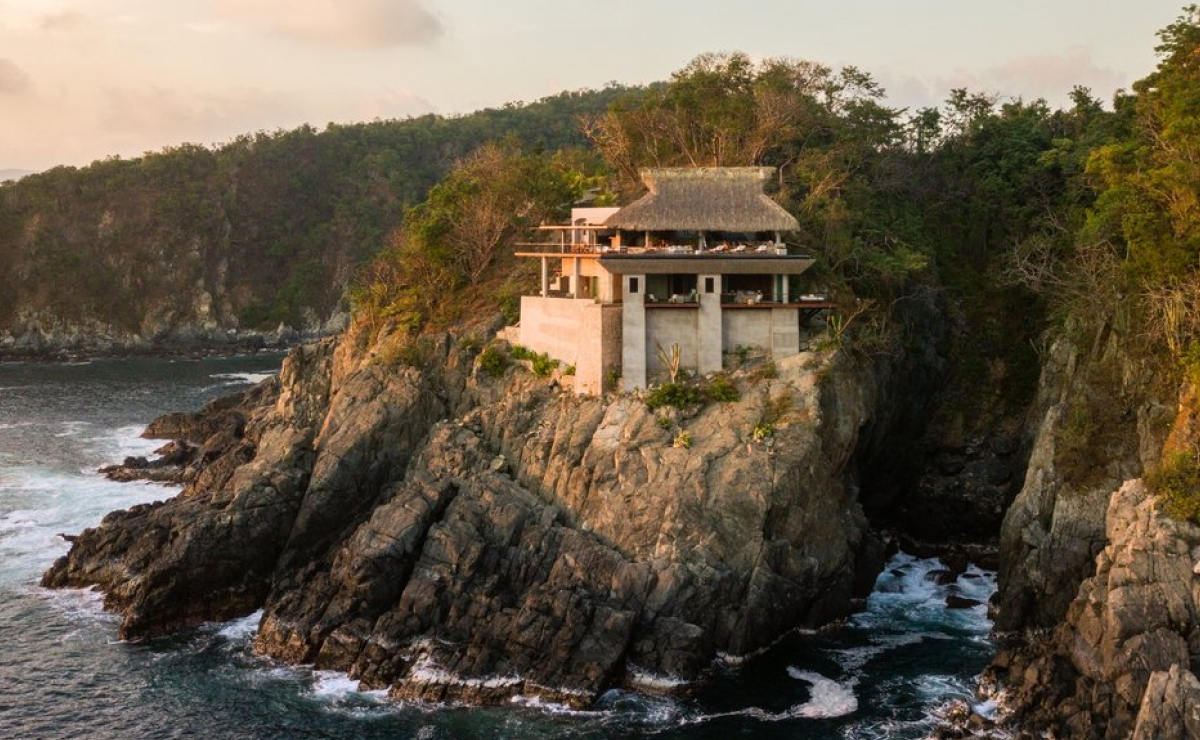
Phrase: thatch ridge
pixel 729 199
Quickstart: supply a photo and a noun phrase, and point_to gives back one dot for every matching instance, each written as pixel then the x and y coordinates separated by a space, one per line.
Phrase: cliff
pixel 1099 589
pixel 451 535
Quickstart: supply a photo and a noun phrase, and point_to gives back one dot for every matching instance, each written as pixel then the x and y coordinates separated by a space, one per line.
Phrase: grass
pixel 1176 485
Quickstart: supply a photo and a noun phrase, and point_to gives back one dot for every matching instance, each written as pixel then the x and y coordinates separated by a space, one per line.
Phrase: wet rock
pixel 362 507
pixel 954 601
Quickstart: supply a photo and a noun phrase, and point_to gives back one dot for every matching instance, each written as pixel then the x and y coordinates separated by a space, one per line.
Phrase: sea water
pixel 885 673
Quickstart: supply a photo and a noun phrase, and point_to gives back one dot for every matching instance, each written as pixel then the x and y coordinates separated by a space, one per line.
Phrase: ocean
pixel 886 673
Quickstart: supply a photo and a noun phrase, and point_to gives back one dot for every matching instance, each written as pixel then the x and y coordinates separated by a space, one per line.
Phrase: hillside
pixel 186 245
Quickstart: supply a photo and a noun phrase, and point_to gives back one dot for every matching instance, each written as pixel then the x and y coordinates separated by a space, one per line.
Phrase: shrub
pixel 493 361
pixel 684 440
pixel 520 352
pixel 1176 485
pixel 543 365
pixel 722 389
pixel 612 379
pixel 569 370
pixel 665 422
pixel 763 431
pixel 675 395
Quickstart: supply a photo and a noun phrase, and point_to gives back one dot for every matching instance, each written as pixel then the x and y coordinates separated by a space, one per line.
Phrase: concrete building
pixel 698 262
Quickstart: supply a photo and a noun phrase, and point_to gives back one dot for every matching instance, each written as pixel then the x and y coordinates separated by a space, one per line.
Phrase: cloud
pixel 13 79
pixel 354 24
pixel 1053 75
pixel 62 21
pixel 151 116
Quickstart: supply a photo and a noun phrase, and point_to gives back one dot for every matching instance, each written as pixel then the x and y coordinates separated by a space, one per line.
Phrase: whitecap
pixel 243 628
pixel 242 378
pixel 828 699
pixel 336 686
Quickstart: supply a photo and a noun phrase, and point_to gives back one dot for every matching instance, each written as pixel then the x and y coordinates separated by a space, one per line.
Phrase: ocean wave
pixel 242 378
pixel 829 698
pixel 241 629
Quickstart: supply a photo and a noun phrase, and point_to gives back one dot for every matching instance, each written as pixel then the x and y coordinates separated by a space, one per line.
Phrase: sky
pixel 81 80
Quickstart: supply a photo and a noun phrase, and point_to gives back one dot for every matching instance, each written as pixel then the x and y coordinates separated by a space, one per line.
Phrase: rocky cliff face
pixel 454 536
pixel 1099 590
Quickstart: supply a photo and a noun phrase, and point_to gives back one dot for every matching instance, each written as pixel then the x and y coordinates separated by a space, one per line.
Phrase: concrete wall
pixel 667 326
pixel 574 332
pixel 776 330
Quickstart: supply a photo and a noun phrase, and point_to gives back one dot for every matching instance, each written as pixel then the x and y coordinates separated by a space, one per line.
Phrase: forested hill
pixel 184 245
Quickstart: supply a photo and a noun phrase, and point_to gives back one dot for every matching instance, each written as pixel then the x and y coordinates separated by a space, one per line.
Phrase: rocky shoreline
pixel 451 536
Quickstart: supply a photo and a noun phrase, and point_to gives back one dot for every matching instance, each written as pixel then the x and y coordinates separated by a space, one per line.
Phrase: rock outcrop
pixel 455 536
pixel 1099 591
pixel 1122 659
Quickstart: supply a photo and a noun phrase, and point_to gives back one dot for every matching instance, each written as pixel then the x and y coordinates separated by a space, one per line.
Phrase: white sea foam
pixel 338 686
pixel 551 707
pixel 242 378
pixel 72 428
pixel 646 679
pixel 241 629
pixel 48 502
pixel 829 698
pixel 427 671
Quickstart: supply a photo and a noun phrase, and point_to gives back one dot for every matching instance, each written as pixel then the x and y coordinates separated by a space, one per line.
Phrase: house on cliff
pixel 698 262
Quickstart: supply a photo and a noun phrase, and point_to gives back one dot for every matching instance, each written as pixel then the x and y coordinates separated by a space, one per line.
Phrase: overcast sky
pixel 85 79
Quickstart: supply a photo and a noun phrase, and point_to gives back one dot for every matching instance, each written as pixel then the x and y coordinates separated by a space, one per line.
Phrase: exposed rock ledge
pixel 1122 663
pixel 453 536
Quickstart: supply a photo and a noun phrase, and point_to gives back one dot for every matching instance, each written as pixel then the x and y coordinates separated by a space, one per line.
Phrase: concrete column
pixel 545 277
pixel 709 337
pixel 783 289
pixel 633 332
pixel 575 291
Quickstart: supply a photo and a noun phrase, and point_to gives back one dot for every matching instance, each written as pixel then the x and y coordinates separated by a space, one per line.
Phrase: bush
pixel 569 370
pixel 493 361
pixel 612 379
pixel 675 395
pixel 520 352
pixel 722 390
pixel 543 365
pixel 763 431
pixel 1176 485
pixel 684 440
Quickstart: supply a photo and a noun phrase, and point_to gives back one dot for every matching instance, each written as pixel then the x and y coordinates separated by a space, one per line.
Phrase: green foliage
pixel 493 361
pixel 683 439
pixel 1176 485
pixel 675 395
pixel 721 389
pixel 664 422
pixel 612 379
pixel 569 371
pixel 521 352
pixel 541 364
pixel 277 219
pixel 763 431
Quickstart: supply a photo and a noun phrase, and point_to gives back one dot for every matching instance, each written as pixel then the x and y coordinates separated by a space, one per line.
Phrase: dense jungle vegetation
pixel 1084 218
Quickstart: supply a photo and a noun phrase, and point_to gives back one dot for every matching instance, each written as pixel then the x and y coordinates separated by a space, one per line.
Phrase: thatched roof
pixel 727 199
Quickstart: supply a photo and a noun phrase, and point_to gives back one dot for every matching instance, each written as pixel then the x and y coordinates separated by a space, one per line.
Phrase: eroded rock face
pixel 453 536
pixel 1121 658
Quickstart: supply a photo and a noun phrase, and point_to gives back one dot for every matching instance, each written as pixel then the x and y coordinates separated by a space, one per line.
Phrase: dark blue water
pixel 63 674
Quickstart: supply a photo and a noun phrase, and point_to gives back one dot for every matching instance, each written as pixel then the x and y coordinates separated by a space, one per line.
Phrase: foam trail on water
pixel 242 378
pixel 829 698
